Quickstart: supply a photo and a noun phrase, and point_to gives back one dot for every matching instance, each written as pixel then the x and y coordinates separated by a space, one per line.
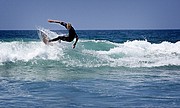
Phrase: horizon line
pixel 102 29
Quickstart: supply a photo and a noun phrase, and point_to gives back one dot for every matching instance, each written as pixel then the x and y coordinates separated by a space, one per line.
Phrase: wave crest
pixel 91 53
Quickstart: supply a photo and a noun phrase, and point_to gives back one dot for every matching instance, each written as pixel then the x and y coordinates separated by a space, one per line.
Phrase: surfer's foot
pixel 59 41
pixel 45 40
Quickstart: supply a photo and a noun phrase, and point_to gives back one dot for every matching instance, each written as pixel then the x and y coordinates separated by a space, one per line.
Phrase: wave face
pixel 90 53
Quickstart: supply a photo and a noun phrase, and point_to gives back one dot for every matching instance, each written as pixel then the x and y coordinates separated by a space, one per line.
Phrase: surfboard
pixel 44 37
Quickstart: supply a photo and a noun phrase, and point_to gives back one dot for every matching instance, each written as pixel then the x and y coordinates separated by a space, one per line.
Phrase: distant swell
pixel 90 53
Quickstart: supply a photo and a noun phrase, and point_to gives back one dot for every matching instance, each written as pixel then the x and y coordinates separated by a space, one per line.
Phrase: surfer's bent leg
pixel 63 38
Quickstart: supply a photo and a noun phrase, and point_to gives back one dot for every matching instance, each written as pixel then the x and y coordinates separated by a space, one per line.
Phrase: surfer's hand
pixel 74 45
pixel 51 21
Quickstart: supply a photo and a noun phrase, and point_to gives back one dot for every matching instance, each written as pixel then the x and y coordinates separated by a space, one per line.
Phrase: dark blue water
pixel 119 36
pixel 108 68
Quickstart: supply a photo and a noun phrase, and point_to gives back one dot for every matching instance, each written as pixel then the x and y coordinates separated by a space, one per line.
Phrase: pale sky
pixel 90 14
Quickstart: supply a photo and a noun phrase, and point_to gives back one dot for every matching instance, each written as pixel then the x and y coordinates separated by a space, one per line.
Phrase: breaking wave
pixel 90 53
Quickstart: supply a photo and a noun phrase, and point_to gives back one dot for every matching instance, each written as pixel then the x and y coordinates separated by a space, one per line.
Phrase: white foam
pixel 25 51
pixel 140 54
pixel 128 54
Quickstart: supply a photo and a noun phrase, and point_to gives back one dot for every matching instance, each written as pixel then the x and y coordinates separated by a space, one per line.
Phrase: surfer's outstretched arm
pixel 54 21
pixel 57 21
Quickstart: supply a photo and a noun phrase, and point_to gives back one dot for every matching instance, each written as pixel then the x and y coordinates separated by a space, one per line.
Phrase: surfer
pixel 70 37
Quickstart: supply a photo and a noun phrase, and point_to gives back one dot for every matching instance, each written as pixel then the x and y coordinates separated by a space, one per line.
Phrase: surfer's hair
pixel 68 25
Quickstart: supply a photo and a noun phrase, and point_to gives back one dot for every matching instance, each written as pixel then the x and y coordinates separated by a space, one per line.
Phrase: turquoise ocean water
pixel 108 68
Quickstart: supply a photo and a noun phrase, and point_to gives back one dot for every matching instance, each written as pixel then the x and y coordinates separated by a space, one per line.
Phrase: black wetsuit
pixel 70 37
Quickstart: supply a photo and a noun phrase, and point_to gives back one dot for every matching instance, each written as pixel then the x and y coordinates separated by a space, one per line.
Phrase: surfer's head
pixel 68 26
